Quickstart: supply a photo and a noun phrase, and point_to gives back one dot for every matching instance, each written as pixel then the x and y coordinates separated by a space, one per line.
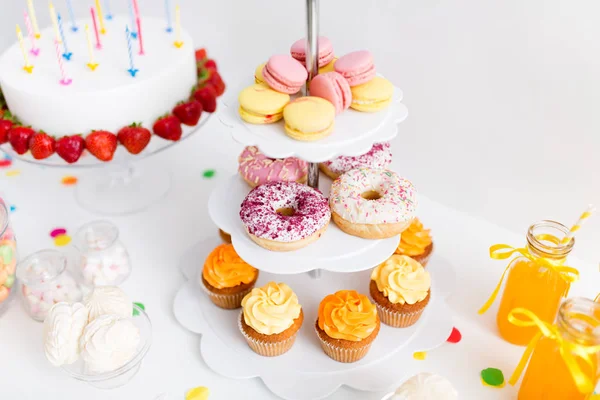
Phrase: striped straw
pixel 582 219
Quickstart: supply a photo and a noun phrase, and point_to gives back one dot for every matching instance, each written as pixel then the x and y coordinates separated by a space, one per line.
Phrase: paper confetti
pixel 13 208
pixel 420 355
pixel 135 311
pixel 68 180
pixel 492 377
pixel 198 393
pixel 209 173
pixel 5 163
pixel 57 232
pixel 12 172
pixel 455 336
pixel 62 240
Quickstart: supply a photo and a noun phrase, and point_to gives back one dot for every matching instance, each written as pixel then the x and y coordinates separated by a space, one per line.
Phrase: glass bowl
pixel 118 377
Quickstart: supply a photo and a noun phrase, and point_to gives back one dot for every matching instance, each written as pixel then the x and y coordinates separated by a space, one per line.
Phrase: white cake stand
pixel 305 372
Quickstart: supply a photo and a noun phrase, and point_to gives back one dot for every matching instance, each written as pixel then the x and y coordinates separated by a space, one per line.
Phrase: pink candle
pixel 34 50
pixel 139 32
pixel 98 44
pixel 64 80
pixel 136 8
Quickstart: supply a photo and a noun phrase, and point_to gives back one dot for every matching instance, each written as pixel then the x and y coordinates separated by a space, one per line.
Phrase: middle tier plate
pixel 335 251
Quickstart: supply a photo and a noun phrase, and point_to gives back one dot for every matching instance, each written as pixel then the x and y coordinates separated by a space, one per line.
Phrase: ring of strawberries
pixel 103 144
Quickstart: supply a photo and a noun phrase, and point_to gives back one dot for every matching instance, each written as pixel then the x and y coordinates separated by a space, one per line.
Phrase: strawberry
pixel 216 81
pixel 102 144
pixel 200 55
pixel 134 137
pixel 188 113
pixel 210 64
pixel 69 148
pixel 168 127
pixel 19 138
pixel 5 126
pixel 207 95
pixel 41 145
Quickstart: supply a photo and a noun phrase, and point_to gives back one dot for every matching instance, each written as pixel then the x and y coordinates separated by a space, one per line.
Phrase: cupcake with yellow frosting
pixel 347 325
pixel 270 319
pixel 416 242
pixel 227 278
pixel 401 288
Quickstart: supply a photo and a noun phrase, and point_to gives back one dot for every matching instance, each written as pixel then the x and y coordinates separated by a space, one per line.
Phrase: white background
pixel 503 99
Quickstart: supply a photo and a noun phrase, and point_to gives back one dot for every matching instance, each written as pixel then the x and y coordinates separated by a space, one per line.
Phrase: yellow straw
pixel 178 43
pixel 584 217
pixel 54 22
pixel 100 17
pixel 36 30
pixel 27 67
pixel 92 64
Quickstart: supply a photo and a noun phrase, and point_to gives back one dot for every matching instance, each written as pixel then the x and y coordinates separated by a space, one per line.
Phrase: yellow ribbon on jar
pixel 569 351
pixel 504 251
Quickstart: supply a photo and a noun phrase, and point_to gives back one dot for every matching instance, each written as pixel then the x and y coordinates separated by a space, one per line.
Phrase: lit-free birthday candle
pixel 178 43
pixel 74 26
pixel 92 64
pixel 64 80
pixel 100 17
pixel 109 15
pixel 34 49
pixel 27 67
pixel 98 44
pixel 168 15
pixel 54 22
pixel 66 54
pixel 132 70
pixel 132 16
pixel 36 29
pixel 138 22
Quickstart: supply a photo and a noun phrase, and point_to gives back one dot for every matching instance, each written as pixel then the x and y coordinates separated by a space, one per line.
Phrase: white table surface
pixel 502 128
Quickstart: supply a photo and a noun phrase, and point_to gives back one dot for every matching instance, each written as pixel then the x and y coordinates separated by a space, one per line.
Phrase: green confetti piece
pixel 492 377
pixel 209 173
pixel 135 311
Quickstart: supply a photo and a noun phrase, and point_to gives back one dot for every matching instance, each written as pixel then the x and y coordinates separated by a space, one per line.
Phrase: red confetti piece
pixel 5 163
pixel 57 232
pixel 455 336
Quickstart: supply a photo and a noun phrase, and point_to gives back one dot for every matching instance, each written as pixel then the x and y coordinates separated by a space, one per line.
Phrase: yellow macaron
pixel 328 67
pixel 372 96
pixel 259 104
pixel 258 76
pixel 309 118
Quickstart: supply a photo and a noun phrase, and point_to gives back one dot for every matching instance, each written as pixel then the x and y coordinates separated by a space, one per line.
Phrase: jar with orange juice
pixel 564 357
pixel 537 279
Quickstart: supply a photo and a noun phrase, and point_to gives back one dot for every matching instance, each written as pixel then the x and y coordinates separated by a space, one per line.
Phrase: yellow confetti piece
pixel 62 240
pixel 500 386
pixel 419 355
pixel 13 172
pixel 199 393
pixel 69 180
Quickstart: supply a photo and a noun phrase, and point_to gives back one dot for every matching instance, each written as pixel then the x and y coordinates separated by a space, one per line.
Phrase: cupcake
pixel 227 278
pixel 401 288
pixel 416 243
pixel 226 237
pixel 270 319
pixel 347 325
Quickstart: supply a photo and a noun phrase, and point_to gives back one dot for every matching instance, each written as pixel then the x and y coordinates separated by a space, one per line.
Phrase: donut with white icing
pixel 285 216
pixel 372 203
pixel 256 168
pixel 379 157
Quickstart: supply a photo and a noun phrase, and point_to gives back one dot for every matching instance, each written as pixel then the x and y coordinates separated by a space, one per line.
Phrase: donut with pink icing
pixel 257 169
pixel 379 157
pixel 285 216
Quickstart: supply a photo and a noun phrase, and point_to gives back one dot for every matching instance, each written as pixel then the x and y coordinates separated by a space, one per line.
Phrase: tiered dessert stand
pixel 336 261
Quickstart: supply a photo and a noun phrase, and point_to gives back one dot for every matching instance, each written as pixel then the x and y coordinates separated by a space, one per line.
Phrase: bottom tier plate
pixel 305 372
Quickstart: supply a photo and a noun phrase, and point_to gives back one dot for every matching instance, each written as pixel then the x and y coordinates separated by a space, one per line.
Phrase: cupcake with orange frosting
pixel 225 237
pixel 227 278
pixel 416 242
pixel 401 288
pixel 270 319
pixel 347 325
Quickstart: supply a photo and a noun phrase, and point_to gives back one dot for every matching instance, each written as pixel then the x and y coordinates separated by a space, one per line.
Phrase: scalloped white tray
pixel 355 132
pixel 335 251
pixel 305 372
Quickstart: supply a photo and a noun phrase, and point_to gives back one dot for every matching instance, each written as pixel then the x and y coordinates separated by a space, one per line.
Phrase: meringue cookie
pixel 108 343
pixel 63 327
pixel 426 386
pixel 106 300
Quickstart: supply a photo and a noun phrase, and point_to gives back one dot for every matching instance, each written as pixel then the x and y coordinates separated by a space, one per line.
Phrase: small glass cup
pixel 8 258
pixel 46 281
pixel 103 259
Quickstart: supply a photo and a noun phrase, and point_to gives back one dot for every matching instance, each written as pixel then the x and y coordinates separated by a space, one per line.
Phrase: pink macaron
pixel 326 55
pixel 357 67
pixel 334 88
pixel 284 74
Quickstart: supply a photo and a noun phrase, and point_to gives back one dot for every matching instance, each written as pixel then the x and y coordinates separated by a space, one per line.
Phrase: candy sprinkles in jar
pixel 104 261
pixel 8 257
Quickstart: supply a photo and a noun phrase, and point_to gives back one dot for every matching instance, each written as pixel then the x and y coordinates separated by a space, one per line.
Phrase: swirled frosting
pixel 63 327
pixel 108 300
pixel 426 386
pixel 223 268
pixel 402 280
pixel 271 309
pixel 414 239
pixel 347 315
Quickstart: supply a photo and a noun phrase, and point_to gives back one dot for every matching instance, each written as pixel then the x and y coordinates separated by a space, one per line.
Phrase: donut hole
pixel 371 195
pixel 286 211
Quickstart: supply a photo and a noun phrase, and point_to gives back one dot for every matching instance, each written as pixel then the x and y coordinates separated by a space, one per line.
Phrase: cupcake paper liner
pixel 343 354
pixel 398 319
pixel 422 260
pixel 267 349
pixel 226 301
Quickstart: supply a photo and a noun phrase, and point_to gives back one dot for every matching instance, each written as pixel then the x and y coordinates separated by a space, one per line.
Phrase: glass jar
pixel 103 259
pixel 8 257
pixel 46 281
pixel 548 376
pixel 531 284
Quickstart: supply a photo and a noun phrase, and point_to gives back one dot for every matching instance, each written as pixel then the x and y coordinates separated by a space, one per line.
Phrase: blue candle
pixel 74 27
pixel 132 15
pixel 109 15
pixel 132 70
pixel 168 15
pixel 66 54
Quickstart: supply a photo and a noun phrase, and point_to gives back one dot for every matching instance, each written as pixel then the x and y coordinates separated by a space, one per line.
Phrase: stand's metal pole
pixel 312 66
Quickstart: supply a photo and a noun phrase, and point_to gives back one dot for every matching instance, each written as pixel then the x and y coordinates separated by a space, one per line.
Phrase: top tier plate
pixel 355 132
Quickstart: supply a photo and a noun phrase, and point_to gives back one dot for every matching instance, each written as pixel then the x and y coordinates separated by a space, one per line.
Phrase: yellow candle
pixel 27 67
pixel 100 17
pixel 92 64
pixel 178 43
pixel 36 30
pixel 54 22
